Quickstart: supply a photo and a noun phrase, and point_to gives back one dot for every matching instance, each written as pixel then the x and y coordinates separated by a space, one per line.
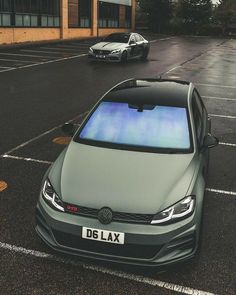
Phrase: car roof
pixel 150 91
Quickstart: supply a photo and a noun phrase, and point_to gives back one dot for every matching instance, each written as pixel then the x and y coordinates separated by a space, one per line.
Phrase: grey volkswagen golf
pixel 129 187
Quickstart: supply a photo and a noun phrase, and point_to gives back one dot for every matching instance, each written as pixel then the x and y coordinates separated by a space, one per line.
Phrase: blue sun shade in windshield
pixel 159 126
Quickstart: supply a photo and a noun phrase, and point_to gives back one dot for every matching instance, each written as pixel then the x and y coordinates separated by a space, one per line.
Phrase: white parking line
pixel 104 270
pixel 217 86
pixel 83 44
pixel 223 116
pixel 58 48
pixel 70 46
pixel 171 70
pixel 220 98
pixel 26 159
pixel 1 67
pixel 227 144
pixel 43 51
pixel 16 60
pixel 45 62
pixel 41 135
pixel 7 70
pixel 163 39
pixel 27 55
pixel 221 192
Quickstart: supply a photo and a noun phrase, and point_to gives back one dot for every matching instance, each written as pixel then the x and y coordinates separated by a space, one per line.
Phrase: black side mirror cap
pixel 209 141
pixel 69 129
pixel 132 43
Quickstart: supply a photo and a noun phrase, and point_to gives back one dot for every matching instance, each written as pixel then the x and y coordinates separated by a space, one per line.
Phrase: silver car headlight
pixel 51 198
pixel 116 51
pixel 90 50
pixel 180 210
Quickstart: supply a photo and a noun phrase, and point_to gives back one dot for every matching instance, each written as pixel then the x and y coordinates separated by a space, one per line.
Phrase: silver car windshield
pixel 147 126
pixel 117 38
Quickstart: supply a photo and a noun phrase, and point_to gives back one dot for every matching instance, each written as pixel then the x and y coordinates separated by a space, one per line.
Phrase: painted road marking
pixel 221 192
pixel 217 86
pixel 3 185
pixel 27 55
pixel 43 51
pixel 228 144
pixel 16 60
pixel 163 39
pixel 26 159
pixel 5 67
pixel 104 270
pixel 45 62
pixel 70 46
pixel 45 133
pixel 220 98
pixel 84 44
pixel 64 140
pixel 57 48
pixel 171 70
pixel 223 116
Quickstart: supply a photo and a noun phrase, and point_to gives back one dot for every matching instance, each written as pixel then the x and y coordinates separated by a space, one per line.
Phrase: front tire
pixel 124 57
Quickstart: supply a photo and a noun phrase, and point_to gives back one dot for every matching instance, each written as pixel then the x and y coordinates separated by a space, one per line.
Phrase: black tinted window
pixel 119 38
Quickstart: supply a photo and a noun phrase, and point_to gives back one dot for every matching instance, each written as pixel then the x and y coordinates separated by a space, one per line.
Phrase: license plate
pixel 103 235
pixel 101 56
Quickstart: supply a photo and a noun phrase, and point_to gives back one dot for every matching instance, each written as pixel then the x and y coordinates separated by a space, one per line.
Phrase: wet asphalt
pixel 41 97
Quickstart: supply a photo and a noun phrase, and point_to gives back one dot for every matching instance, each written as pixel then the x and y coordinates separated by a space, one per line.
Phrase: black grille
pixel 125 250
pixel 102 52
pixel 117 216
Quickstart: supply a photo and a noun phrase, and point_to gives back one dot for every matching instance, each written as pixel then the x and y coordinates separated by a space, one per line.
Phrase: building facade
pixel 40 20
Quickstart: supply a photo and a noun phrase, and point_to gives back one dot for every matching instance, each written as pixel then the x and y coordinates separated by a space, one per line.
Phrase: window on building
pixel 30 13
pixel 85 13
pixel 128 16
pixel 108 15
pixel 5 13
pixel 79 13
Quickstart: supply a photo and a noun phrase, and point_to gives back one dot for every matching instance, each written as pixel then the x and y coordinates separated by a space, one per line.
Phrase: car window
pixel 137 38
pixel 119 38
pixel 142 126
pixel 132 38
pixel 198 117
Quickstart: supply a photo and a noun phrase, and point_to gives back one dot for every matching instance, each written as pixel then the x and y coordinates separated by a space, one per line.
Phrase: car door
pixel 139 44
pixel 201 129
pixel 133 46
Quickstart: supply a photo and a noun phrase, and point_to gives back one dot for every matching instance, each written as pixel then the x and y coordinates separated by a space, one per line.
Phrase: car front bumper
pixel 115 57
pixel 145 245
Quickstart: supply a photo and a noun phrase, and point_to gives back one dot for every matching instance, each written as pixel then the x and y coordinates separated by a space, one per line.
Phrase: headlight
pixel 116 51
pixel 51 198
pixel 180 210
pixel 90 50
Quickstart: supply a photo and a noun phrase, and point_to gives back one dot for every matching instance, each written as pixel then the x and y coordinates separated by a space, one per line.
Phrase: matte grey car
pixel 120 47
pixel 129 187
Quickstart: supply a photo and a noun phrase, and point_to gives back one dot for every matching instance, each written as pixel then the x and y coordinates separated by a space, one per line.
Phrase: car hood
pixel 109 46
pixel 125 181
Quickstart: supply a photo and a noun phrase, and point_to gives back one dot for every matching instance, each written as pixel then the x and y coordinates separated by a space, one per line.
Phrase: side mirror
pixel 69 129
pixel 132 42
pixel 209 141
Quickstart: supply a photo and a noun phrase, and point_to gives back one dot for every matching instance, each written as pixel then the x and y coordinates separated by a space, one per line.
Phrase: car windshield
pixel 120 125
pixel 119 38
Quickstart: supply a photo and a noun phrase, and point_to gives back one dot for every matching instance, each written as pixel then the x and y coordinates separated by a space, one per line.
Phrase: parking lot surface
pixel 46 85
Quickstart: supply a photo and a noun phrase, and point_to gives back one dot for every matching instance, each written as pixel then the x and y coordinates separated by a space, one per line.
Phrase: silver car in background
pixel 120 47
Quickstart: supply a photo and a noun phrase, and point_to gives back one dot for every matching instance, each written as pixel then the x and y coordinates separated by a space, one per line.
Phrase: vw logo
pixel 105 215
